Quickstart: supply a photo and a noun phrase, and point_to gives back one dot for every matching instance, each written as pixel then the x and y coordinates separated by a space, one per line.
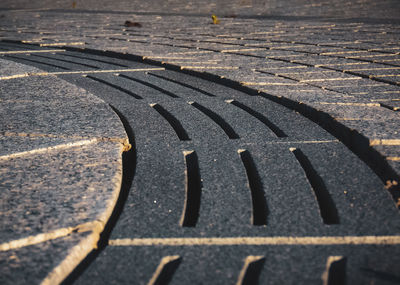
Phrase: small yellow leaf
pixel 215 19
pixel 73 4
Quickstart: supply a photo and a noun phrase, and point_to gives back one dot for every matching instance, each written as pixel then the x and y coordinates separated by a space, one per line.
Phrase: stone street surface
pixel 147 142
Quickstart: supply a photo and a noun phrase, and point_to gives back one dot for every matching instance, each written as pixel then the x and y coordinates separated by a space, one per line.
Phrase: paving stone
pixel 9 68
pixel 35 263
pixel 36 111
pixel 33 200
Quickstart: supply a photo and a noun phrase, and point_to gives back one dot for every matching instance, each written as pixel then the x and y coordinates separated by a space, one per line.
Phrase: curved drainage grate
pixel 295 176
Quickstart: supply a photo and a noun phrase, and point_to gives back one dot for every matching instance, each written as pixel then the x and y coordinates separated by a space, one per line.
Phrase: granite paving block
pixel 74 119
pixel 34 201
pixel 9 68
pixel 14 143
pixel 40 263
pixel 36 110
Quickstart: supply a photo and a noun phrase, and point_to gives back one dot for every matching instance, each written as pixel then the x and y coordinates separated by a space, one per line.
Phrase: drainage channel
pixel 227 185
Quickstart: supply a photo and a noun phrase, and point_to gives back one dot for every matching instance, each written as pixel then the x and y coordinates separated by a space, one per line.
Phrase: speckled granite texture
pixel 60 174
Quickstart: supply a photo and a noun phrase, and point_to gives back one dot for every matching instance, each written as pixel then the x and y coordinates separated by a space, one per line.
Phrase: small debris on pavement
pixel 390 183
pixel 215 19
pixel 132 24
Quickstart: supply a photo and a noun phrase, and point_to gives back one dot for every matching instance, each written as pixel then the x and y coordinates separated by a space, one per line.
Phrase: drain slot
pixel 274 128
pixel 115 86
pixel 217 119
pixel 260 208
pixel 193 187
pixel 175 124
pixel 335 272
pixel 37 61
pixel 182 84
pixel 327 207
pixel 162 90
pixel 64 60
pixel 93 59
pixel 165 270
pixel 251 270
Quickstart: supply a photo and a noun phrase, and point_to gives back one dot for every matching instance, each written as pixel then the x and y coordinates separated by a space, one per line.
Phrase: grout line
pixel 126 147
pixel 46 149
pixel 373 142
pixel 393 158
pixel 280 240
pixel 63 232
pixel 31 51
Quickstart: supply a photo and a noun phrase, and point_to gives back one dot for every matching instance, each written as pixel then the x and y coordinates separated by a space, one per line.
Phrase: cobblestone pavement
pixel 266 147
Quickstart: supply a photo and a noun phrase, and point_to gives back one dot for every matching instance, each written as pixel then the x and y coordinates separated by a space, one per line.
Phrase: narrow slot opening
pixel 165 270
pixel 115 86
pixel 182 84
pixel 274 128
pixel 93 59
pixel 193 187
pixel 327 207
pixel 64 60
pixel 260 208
pixel 217 119
pixel 36 61
pixel 251 270
pixel 175 124
pixel 396 109
pixel 335 272
pixel 148 84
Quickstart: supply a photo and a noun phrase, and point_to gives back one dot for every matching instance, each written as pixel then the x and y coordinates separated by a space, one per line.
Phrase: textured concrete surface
pixel 325 120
